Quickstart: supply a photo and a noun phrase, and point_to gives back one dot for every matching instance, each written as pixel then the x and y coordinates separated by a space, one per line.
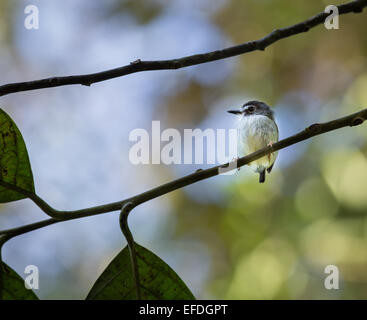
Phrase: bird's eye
pixel 251 108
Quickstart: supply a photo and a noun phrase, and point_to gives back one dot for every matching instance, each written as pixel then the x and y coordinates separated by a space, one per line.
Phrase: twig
pixel 125 210
pixel 138 65
pixel 351 120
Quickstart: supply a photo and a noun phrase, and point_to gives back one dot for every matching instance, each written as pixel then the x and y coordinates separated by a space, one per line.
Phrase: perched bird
pixel 256 129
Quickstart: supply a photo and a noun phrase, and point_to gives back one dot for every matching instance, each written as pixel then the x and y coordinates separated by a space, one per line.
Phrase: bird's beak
pixel 234 111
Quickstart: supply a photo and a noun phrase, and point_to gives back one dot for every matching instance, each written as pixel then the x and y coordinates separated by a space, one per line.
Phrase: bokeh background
pixel 227 237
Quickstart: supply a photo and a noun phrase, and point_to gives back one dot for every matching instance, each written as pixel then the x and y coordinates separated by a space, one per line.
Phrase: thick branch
pixel 311 131
pixel 138 65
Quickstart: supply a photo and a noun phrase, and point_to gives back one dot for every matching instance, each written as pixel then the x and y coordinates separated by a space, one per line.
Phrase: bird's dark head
pixel 254 108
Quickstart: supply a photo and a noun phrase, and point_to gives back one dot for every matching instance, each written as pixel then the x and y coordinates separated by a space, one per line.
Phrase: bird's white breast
pixel 256 132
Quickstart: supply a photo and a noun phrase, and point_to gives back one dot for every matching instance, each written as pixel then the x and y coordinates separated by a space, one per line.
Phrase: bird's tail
pixel 262 176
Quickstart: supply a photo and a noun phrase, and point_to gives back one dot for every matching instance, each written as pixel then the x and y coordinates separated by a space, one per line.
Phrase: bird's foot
pixel 270 144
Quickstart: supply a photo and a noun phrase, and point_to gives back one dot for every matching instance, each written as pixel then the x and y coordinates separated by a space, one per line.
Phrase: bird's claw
pixel 270 144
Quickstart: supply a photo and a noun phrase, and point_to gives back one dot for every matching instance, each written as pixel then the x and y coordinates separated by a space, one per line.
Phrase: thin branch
pixel 59 214
pixel 351 120
pixel 139 66
pixel 125 210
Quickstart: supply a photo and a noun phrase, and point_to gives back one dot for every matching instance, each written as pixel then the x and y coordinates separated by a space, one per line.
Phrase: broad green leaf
pixel 157 279
pixel 15 169
pixel 13 287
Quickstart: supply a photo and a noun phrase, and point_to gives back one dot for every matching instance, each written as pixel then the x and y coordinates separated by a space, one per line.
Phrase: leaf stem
pixel 125 210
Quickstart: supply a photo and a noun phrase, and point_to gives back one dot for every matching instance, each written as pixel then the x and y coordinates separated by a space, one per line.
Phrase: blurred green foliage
pixel 143 11
pixel 273 241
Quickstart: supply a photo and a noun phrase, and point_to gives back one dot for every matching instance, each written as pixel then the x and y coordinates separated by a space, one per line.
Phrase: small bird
pixel 256 129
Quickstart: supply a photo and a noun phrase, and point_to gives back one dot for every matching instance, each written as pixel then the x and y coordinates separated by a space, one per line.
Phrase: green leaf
pixel 13 287
pixel 16 178
pixel 157 279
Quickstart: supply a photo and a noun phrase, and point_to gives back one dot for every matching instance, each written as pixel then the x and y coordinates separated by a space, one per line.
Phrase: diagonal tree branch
pixel 351 120
pixel 139 66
